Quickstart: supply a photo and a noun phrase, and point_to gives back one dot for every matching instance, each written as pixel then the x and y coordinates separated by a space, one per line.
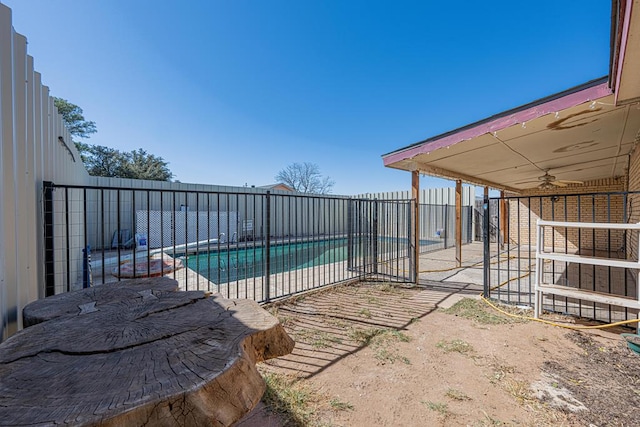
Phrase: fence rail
pixel 243 245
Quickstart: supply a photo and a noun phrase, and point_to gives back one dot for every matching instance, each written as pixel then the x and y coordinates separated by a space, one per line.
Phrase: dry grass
pixel 440 408
pixel 480 312
pixel 456 395
pixel 382 341
pixel 297 403
pixel 455 346
pixel 316 338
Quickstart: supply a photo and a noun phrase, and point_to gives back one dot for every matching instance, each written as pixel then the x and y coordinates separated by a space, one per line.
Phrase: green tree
pixel 104 161
pixel 73 118
pixel 306 178
pixel 137 164
pixel 110 162
pixel 76 124
pixel 142 165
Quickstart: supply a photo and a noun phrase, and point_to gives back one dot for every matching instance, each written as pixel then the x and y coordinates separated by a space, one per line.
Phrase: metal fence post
pixel 49 271
pixel 375 236
pixel 267 249
pixel 485 239
pixel 350 234
pixel 446 226
pixel 413 261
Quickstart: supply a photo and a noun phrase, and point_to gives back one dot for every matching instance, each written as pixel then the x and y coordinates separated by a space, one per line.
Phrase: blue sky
pixel 231 92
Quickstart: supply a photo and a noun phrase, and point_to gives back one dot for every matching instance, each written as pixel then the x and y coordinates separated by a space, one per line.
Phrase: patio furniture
pixel 137 353
pixel 122 239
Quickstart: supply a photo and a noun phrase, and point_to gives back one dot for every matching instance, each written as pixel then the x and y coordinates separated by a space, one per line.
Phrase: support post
pixel 503 219
pixel 486 243
pixel 267 249
pixel 49 269
pixel 415 219
pixel 375 236
pixel 350 234
pixel 458 223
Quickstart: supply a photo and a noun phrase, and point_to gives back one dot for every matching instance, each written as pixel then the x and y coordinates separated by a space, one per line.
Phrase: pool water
pixel 241 263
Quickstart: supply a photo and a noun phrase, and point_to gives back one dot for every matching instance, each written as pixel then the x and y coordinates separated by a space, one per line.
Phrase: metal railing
pixel 509 255
pixel 242 245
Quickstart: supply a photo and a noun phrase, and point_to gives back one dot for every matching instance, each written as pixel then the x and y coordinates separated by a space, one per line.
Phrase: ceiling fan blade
pixel 559 183
pixel 568 181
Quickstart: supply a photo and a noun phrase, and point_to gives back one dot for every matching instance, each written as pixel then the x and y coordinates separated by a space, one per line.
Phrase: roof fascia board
pixel 623 46
pixel 503 121
pixel 440 172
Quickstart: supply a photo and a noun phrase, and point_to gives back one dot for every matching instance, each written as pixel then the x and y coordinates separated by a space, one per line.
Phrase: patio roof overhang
pixel 582 134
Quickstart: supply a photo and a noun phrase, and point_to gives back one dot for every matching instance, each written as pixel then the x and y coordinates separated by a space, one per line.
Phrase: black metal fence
pixel 252 245
pixel 438 224
pixel 510 251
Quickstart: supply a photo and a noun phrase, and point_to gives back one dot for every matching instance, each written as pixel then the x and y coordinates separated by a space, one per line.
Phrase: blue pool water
pixel 246 262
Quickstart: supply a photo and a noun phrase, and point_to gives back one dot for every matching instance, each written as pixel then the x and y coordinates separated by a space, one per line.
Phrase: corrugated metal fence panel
pixel 172 197
pixel 429 196
pixel 31 152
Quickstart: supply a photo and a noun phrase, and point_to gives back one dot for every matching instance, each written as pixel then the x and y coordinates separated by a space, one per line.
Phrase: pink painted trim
pixel 623 46
pixel 500 123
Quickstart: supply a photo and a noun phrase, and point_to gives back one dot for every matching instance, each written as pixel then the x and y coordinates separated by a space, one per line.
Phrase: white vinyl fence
pixel 165 228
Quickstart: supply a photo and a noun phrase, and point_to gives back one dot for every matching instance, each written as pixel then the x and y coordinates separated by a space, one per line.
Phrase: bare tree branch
pixel 305 178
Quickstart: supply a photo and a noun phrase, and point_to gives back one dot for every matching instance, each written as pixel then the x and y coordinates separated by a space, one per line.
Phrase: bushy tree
pixel 73 119
pixel 137 164
pixel 110 162
pixel 306 178
pixel 104 161
pixel 142 165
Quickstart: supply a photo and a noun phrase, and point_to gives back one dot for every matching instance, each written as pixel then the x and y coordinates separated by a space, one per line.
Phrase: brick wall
pixel 634 201
pixel 571 203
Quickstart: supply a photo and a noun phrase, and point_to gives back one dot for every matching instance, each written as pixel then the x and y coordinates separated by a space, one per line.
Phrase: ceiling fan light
pixel 546 186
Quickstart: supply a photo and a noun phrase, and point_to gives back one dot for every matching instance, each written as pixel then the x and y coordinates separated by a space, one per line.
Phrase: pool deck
pixel 437 270
pixel 512 276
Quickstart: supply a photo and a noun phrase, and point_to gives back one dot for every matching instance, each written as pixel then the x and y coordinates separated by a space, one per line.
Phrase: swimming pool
pixel 245 262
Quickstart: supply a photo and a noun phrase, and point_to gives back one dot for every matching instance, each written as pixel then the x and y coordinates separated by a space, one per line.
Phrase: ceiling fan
pixel 548 182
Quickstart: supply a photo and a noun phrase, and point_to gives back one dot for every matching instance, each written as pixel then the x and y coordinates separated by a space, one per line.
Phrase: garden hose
pixel 517 316
pixel 548 322
pixel 560 325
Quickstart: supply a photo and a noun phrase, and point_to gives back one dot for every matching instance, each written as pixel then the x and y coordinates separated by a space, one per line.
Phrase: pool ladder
pixel 222 238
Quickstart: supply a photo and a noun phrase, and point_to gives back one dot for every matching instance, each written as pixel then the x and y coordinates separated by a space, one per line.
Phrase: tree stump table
pixel 137 353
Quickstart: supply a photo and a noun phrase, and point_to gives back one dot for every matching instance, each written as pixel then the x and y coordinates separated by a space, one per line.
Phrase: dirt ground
pixel 387 355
